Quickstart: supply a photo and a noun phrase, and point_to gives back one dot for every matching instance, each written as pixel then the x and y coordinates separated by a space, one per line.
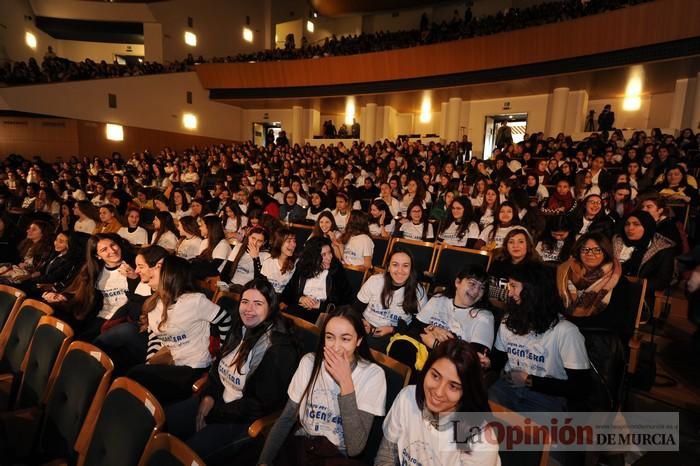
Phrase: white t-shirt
pixel 189 247
pixel 375 229
pixel 271 270
pixel 419 443
pixel 315 287
pixel 550 255
pixel 375 313
pixel 449 236
pixel 486 219
pixel 168 240
pixel 85 226
pixel 186 332
pixel 469 324
pixel 357 248
pixel 221 251
pixel 138 237
pixel 245 270
pixel 545 355
pixel 497 240
pixel 311 216
pixel 233 380
pixel 232 226
pixel 114 287
pixel 340 219
pixel 412 231
pixel 394 205
pixel 321 415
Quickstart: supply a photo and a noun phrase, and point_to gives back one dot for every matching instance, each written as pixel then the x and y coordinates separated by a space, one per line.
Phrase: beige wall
pixel 625 119
pixel 13 16
pixel 38 136
pixel 152 102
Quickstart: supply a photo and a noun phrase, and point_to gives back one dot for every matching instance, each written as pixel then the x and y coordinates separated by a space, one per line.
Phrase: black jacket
pixel 337 290
pixel 265 390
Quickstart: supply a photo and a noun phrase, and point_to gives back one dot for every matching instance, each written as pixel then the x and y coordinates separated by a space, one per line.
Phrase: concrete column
pixel 695 115
pixel 297 125
pixel 557 116
pixel 678 107
pixel 454 106
pixel 368 133
pixel 443 121
pixel 153 42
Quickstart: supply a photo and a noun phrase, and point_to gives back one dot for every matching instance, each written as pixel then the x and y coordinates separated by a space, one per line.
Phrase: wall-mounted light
pixel 189 121
pixel 349 110
pixel 190 39
pixel 247 34
pixel 114 132
pixel 426 109
pixel 310 26
pixel 633 91
pixel 30 40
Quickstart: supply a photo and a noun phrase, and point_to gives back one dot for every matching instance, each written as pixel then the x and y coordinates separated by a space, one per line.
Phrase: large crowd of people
pixel 125 248
pixel 57 69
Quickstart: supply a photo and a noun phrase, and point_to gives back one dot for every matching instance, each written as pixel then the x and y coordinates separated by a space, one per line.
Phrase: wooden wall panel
pixel 59 138
pixel 650 23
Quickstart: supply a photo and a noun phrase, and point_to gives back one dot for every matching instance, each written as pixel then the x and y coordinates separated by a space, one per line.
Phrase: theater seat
pixel 10 299
pixel 166 450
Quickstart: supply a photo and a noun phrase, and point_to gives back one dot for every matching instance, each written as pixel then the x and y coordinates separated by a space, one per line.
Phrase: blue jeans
pixel 125 345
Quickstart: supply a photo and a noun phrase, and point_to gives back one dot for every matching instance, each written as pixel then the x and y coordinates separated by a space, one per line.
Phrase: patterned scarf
pixel 586 293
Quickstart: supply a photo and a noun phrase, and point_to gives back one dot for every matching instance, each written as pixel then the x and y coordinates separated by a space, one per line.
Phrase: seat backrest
pixel 308 333
pixel 423 253
pixel 381 248
pixel 355 276
pixel 451 260
pixel 397 377
pixel 46 351
pixel 76 395
pixel 129 419
pixel 521 458
pixel 10 299
pixel 167 450
pixel 20 327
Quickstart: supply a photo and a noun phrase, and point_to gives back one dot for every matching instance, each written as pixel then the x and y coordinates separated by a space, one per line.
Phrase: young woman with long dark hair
pixel 278 268
pixel 99 289
pixel 190 240
pixel 335 394
pixel 543 355
pixel 417 227
pixel 390 300
pixel 318 282
pixel 214 247
pixel 247 381
pixel 450 383
pixel 355 247
pixel 132 232
pixel 459 228
pixel 165 234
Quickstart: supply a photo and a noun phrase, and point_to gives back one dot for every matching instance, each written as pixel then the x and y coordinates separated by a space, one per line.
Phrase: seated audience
pixel 133 233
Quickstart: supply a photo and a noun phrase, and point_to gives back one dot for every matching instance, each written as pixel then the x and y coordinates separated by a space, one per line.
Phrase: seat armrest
pixel 635 344
pixel 263 425
pixel 199 384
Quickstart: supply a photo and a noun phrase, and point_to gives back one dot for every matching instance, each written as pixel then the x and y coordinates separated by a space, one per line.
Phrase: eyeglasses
pixel 594 203
pixel 595 251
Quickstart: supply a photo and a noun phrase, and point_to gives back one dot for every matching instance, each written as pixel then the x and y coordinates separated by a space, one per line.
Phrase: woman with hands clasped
pixel 334 394
pixel 247 382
